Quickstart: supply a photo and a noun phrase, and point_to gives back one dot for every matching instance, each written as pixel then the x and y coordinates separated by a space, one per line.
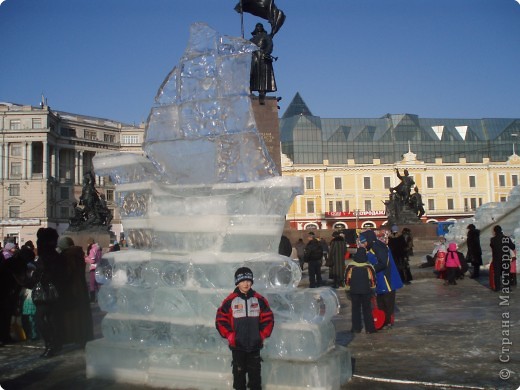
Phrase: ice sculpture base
pixel 163 367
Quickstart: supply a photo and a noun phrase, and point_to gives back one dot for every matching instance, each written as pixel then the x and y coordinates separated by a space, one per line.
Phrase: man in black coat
pixel 313 257
pixel 474 253
pixel 501 247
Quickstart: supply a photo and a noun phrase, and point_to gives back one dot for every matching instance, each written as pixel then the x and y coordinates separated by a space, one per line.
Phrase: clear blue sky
pixel 347 58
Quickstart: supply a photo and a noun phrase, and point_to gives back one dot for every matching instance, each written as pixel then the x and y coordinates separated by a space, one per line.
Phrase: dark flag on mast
pixel 265 9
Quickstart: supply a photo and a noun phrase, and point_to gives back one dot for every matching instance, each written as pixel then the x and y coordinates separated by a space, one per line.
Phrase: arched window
pixel 340 225
pixel 311 226
pixel 368 225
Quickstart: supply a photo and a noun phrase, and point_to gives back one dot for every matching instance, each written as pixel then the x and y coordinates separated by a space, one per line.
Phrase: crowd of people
pixel 450 264
pixel 372 271
pixel 48 288
pixel 47 291
pixel 381 266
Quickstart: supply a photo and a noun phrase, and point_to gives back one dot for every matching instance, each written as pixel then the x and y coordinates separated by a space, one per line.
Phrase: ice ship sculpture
pixel 205 200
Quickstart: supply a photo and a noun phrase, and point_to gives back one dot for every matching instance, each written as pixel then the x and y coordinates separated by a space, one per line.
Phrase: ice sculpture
pixel 205 200
pixel 505 214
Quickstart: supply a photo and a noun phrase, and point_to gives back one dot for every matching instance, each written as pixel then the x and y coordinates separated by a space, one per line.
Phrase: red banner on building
pixel 360 213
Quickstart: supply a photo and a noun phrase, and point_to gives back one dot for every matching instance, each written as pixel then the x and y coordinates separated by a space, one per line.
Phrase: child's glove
pixel 231 339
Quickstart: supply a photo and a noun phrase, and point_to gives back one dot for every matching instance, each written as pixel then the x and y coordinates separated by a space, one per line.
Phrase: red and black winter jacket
pixel 245 320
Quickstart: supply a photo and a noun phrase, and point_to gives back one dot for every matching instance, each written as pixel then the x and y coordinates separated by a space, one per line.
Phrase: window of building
pixel 502 180
pixel 514 180
pixel 331 205
pixel 109 138
pixel 429 181
pixel 309 183
pixel 130 139
pixel 449 181
pixel 15 124
pixel 36 123
pixel 472 181
pixel 68 132
pixel 431 204
pixel 16 149
pixel 503 199
pixel 339 205
pixel 386 182
pixel 368 205
pixel 347 206
pixel 64 193
pixel 310 207
pixel 14 190
pixel 366 183
pixel 91 135
pixel 473 203
pixel 16 169
pixel 337 183
pixel 64 212
pixel 109 195
pixel 14 211
pixel 450 204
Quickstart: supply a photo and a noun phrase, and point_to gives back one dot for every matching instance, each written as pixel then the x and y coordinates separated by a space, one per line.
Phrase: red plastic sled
pixel 378 314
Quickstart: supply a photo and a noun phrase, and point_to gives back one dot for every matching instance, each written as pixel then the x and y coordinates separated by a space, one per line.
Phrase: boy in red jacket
pixel 245 319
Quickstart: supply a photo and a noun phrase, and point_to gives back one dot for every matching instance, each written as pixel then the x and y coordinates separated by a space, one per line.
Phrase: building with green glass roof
pixel 310 139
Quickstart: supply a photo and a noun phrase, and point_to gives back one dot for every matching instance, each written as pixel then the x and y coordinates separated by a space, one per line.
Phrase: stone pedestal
pixel 266 117
pixel 80 238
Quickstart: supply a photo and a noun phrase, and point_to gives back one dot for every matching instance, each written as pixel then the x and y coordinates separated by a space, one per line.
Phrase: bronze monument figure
pixel 403 189
pixel 401 206
pixel 91 213
pixel 262 73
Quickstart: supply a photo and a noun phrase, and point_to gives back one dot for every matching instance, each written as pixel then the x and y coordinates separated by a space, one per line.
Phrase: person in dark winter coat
pixel 360 282
pixel 408 251
pixel 245 319
pixel 12 277
pixel 387 275
pixel 285 246
pixel 474 253
pixel 337 251
pixel 79 327
pixel 397 245
pixel 300 251
pixel 50 267
pixel 501 247
pixel 313 257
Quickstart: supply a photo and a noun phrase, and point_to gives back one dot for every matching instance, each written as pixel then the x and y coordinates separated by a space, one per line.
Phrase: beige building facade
pixel 353 195
pixel 44 155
